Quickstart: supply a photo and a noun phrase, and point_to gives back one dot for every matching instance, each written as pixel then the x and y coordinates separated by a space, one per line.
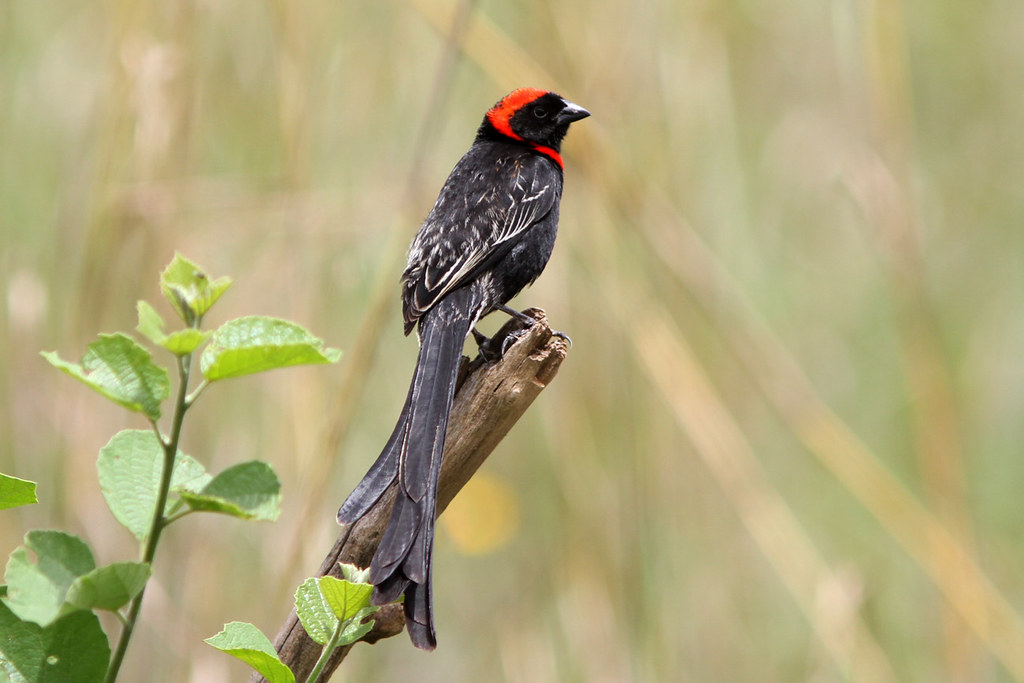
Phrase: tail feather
pixel 415 564
pixel 404 527
pixel 389 590
pixel 381 474
pixel 402 562
pixel 418 618
pixel 431 397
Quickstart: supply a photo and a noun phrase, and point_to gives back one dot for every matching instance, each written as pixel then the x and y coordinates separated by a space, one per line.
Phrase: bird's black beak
pixel 572 112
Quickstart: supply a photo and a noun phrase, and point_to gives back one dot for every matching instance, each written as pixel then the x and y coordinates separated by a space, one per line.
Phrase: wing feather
pixel 459 237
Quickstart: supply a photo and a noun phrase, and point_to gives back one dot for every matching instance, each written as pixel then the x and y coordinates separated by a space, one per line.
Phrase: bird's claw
pixel 514 336
pixel 562 335
pixel 486 345
pixel 511 338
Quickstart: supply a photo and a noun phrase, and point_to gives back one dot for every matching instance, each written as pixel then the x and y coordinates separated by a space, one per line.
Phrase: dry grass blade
pixel 890 205
pixel 672 367
pixel 937 551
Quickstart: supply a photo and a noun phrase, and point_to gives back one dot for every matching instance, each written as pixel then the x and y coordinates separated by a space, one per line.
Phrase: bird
pixel 489 234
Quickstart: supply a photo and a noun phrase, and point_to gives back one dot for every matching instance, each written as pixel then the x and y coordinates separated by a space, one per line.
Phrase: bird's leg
pixel 485 345
pixel 480 338
pixel 488 347
pixel 530 322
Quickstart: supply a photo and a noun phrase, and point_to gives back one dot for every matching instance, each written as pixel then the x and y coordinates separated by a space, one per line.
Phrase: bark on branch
pixel 490 398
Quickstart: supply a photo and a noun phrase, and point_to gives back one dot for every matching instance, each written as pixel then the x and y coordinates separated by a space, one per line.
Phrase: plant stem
pixel 191 398
pixel 325 654
pixel 176 516
pixel 149 551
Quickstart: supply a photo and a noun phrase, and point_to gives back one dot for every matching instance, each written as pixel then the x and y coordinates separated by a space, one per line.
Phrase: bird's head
pixel 534 116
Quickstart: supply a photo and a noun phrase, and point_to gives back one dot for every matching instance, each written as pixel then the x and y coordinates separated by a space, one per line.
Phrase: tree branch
pixel 490 398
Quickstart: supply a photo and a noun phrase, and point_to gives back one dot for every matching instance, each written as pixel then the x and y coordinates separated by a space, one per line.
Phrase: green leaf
pixel 15 492
pixel 130 466
pixel 117 367
pixel 354 629
pixel 256 343
pixel 184 342
pixel 344 597
pixel 354 574
pixel 189 289
pixel 324 601
pixel 316 616
pixel 72 649
pixel 249 490
pixel 151 325
pixel 36 591
pixel 180 342
pixel 246 642
pixel 110 587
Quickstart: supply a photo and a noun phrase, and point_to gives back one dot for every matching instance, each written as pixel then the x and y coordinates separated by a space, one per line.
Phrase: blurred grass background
pixel 786 444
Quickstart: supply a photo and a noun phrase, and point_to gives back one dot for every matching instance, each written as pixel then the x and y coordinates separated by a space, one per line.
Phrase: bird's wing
pixel 459 237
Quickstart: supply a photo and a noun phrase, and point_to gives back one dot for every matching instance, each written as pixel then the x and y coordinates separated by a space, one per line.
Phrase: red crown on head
pixel 504 110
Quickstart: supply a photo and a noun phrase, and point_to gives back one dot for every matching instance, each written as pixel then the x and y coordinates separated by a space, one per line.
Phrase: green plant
pixel 332 611
pixel 15 492
pixel 49 630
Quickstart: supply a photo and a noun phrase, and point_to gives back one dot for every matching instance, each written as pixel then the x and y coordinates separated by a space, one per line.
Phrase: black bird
pixel 489 234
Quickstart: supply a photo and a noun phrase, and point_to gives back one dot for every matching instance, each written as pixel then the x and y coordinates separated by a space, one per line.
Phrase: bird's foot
pixel 530 321
pixel 492 349
pixel 511 338
pixel 487 347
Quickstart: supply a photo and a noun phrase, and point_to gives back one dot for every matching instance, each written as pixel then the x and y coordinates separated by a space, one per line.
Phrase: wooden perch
pixel 490 398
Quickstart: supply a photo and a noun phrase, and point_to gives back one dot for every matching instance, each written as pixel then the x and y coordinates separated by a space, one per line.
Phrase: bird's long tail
pixel 402 563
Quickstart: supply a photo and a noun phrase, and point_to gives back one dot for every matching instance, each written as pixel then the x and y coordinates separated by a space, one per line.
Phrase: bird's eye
pixel 540 112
